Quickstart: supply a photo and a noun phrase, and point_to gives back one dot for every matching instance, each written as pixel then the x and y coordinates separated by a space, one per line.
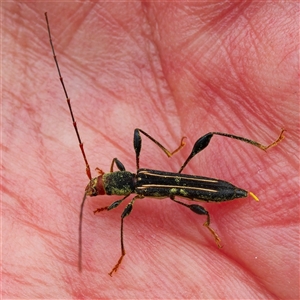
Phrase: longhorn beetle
pixel 154 183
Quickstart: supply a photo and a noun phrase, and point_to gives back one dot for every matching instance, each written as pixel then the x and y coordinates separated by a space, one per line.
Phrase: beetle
pixel 162 184
pixel 157 183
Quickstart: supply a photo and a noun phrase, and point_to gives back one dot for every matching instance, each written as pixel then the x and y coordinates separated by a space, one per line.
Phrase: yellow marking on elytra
pixel 175 187
pixel 212 180
pixel 253 196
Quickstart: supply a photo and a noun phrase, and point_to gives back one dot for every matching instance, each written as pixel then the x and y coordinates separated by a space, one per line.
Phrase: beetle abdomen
pixel 153 183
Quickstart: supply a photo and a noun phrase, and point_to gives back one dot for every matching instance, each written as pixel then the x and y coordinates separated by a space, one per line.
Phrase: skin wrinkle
pixel 170 125
pixel 248 106
pixel 154 79
pixel 243 85
pixel 160 67
pixel 160 64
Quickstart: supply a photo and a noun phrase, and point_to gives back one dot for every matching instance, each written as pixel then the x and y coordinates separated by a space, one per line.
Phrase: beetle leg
pixel 203 142
pixel 112 206
pixel 125 213
pixel 198 209
pixel 137 144
pixel 119 165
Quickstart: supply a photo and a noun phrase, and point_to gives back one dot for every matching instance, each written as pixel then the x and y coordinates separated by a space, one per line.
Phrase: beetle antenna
pixel 88 171
pixel 80 233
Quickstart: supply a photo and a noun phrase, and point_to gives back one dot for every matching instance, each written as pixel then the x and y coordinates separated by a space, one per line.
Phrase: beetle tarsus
pixel 100 209
pixel 115 268
pixel 217 239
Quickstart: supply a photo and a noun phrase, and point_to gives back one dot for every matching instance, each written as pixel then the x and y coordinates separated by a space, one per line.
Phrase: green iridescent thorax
pixel 118 183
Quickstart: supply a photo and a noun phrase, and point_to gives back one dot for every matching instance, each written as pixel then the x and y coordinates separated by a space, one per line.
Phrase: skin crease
pixel 173 70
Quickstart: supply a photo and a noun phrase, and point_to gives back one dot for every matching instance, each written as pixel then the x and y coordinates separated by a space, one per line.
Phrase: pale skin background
pixel 173 70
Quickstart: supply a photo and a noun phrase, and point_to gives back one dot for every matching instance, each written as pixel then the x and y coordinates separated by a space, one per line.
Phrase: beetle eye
pixel 94 191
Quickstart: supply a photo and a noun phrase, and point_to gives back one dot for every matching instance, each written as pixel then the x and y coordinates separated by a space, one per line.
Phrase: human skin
pixel 173 70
